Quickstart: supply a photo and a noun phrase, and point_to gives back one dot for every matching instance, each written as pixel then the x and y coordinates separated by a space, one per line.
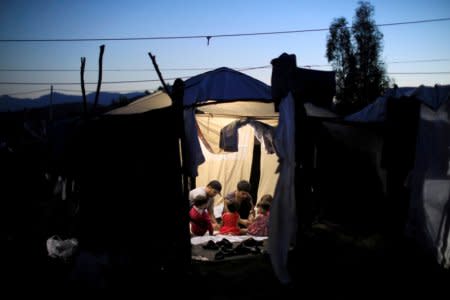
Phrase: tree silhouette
pixel 355 56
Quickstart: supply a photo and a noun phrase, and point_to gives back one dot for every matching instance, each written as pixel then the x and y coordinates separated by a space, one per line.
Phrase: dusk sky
pixel 415 54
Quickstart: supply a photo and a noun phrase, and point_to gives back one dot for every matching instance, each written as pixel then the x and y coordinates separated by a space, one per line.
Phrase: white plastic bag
pixel 58 248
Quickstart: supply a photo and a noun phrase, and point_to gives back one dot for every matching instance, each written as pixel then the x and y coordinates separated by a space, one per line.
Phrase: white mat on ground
pixel 198 240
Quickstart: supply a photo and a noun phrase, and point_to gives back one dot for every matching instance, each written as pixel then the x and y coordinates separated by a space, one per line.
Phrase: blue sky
pixel 408 48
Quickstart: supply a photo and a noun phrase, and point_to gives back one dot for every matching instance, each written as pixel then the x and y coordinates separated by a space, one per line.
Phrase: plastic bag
pixel 58 248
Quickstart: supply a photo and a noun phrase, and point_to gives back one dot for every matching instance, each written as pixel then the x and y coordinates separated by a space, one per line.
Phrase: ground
pixel 330 262
pixel 327 262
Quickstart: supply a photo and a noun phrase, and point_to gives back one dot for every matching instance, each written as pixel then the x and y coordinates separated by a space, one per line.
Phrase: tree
pixel 355 57
pixel 342 57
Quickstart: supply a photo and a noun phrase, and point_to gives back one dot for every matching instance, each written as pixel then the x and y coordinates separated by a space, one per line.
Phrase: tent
pixel 212 101
pixel 418 118
pixel 225 99
pixel 224 85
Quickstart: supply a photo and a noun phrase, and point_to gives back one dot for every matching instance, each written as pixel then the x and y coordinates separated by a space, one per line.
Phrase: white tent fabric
pixel 254 109
pixel 429 213
pixel 230 167
pixel 146 103
pixel 268 177
pixel 217 116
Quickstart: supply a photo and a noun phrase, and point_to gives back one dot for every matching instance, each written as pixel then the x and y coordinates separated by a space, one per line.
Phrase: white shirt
pixel 201 191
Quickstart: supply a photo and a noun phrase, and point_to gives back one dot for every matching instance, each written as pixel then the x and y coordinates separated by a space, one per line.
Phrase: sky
pixel 420 50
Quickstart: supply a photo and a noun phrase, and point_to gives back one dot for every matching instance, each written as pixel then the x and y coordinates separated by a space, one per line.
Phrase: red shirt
pixel 230 223
pixel 200 222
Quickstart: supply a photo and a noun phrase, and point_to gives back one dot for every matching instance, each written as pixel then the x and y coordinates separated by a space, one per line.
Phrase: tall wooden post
pixel 100 73
pixel 83 90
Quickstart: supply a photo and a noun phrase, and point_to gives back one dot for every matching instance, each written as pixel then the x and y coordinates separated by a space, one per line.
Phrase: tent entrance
pixel 235 164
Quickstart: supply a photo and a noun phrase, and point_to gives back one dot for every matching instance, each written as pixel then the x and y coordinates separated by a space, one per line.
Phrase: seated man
pixel 243 200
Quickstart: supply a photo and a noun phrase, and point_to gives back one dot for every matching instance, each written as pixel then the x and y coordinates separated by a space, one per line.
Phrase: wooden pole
pixel 153 58
pixel 100 72
pixel 83 91
pixel 177 100
pixel 183 206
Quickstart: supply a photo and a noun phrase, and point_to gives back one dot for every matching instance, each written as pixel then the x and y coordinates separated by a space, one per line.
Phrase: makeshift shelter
pixel 417 159
pixel 369 164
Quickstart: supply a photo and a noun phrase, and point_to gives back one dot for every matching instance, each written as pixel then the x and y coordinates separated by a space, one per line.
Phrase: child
pixel 200 220
pixel 260 226
pixel 230 221
pixel 266 198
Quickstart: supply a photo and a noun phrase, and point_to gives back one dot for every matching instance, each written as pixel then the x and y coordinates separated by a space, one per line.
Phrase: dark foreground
pixel 328 262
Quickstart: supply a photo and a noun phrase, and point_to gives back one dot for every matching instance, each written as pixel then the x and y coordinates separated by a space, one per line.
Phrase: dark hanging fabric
pixel 402 116
pixel 317 87
pixel 229 137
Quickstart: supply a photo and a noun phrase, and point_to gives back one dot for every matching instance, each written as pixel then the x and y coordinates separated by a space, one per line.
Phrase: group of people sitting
pixel 239 216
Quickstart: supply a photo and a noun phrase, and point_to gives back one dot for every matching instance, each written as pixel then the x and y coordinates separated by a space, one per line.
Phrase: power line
pixel 104 70
pixel 129 70
pixel 90 91
pixel 173 78
pixel 208 37
pixel 203 69
pixel 418 73
pixel 87 83
pixel 419 61
pixel 414 22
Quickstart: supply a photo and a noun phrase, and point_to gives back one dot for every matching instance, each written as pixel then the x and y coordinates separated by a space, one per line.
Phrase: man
pixel 243 200
pixel 210 191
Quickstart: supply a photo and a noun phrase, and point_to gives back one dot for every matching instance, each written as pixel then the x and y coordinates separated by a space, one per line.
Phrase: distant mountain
pixel 8 103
